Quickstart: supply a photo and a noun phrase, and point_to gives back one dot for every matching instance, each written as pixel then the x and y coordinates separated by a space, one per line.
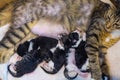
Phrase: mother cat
pixel 102 33
pixel 56 17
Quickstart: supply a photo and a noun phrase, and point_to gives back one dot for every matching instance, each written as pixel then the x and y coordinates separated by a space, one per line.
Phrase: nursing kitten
pixel 76 56
pixel 27 64
pixel 34 52
pixel 77 62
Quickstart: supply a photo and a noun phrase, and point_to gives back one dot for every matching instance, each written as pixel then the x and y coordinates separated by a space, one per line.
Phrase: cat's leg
pixel 105 71
pixel 92 50
pixel 104 65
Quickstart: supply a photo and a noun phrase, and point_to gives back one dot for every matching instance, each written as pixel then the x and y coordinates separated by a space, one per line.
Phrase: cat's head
pixel 112 15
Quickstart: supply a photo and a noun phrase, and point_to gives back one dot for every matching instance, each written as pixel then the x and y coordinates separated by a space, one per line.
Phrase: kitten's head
pixel 73 39
pixel 76 37
pixel 46 55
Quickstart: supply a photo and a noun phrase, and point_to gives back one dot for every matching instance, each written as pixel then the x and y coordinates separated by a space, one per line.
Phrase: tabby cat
pixel 102 33
pixel 69 14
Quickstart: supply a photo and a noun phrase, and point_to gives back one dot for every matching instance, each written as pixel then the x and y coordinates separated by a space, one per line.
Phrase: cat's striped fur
pixel 68 13
pixel 102 33
pixel 12 38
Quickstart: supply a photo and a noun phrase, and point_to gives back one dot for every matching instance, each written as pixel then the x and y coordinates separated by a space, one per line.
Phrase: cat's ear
pixel 112 3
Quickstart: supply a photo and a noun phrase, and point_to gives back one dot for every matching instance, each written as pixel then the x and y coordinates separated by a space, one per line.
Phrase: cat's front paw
pixel 105 77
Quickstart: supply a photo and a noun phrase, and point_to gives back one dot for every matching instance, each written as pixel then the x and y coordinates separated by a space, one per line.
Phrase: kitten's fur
pixel 77 60
pixel 76 55
pixel 38 50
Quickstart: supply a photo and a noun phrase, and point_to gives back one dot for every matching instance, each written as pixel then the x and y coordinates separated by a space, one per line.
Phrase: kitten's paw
pixel 47 67
pixel 70 74
pixel 70 71
pixel 12 71
pixel 12 68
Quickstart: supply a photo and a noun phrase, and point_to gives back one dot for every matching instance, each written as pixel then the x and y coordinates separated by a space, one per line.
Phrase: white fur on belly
pixel 49 29
pixel 114 34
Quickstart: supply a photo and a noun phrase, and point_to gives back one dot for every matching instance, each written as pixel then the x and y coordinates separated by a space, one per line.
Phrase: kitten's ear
pixel 112 3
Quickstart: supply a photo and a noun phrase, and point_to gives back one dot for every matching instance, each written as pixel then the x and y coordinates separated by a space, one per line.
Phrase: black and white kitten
pixel 27 64
pixel 76 60
pixel 48 50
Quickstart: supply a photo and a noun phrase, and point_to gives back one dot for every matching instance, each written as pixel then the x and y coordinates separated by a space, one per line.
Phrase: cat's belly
pixel 49 29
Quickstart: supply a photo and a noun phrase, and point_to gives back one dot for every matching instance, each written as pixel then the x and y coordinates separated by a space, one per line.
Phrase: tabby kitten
pixel 66 14
pixel 102 33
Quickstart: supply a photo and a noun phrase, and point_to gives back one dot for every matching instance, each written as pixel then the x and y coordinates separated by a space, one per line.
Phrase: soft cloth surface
pixel 3 71
pixel 38 74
